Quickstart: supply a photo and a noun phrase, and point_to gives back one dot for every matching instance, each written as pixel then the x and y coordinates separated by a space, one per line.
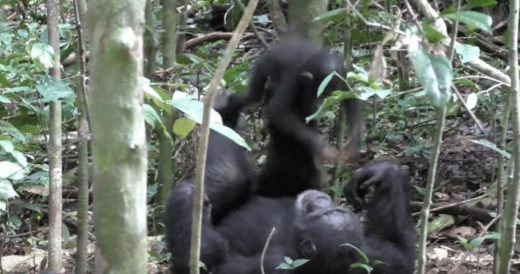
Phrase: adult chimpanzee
pixel 309 227
pixel 287 77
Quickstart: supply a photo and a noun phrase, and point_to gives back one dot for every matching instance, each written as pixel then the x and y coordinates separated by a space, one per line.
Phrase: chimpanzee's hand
pixel 379 174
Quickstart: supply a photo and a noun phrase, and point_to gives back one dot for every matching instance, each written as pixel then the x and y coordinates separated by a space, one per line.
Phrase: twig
pixel 470 112
pixel 264 250
pixel 204 136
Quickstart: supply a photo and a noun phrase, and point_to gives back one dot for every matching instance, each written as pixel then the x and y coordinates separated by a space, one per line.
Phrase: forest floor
pixel 464 203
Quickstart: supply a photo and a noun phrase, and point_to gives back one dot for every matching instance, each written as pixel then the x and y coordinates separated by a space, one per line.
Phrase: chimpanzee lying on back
pixel 287 78
pixel 309 227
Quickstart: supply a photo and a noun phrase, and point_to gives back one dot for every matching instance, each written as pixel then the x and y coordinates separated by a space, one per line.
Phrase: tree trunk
pixel 83 164
pixel 301 14
pixel 170 23
pixel 149 38
pixel 509 217
pixel 118 134
pixel 55 169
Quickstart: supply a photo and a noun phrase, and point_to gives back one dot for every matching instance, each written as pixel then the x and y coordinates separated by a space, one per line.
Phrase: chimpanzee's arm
pixel 389 229
pixel 256 90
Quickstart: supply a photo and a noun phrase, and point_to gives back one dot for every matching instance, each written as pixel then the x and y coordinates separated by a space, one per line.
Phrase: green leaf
pixel 472 100
pixel 7 146
pixel 6 127
pixel 335 98
pixel 440 222
pixel 20 158
pixel 6 190
pixel 369 92
pixel 489 236
pixel 160 98
pixel 148 90
pixel 365 267
pixel 151 116
pixel 10 170
pixel 465 243
pixel 284 266
pixel 472 19
pixel 193 109
pixel 3 206
pixel 490 145
pixel 434 72
pixel 432 34
pixel 183 126
pixel 481 3
pixel 288 260
pixel 299 262
pixel 324 84
pixel 4 100
pixel 52 90
pixel 364 256
pixel 43 54
pixel 467 53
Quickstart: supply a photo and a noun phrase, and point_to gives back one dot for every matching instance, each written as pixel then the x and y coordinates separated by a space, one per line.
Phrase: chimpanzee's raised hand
pixel 381 175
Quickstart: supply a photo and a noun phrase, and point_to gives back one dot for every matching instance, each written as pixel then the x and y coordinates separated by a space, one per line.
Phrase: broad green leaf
pixel 434 72
pixel 472 19
pixel 324 84
pixel 299 262
pixel 440 222
pixel 465 243
pixel 161 98
pixel 481 3
pixel 151 116
pixel 4 99
pixel 467 53
pixel 288 260
pixel 148 90
pixel 489 236
pixel 7 146
pixel 335 98
pixel 183 126
pixel 10 170
pixel 284 266
pixel 43 54
pixel 193 109
pixel 20 158
pixel 28 205
pixel 490 145
pixel 359 73
pixel 432 34
pixel 369 92
pixel 6 190
pixel 6 127
pixel 52 89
